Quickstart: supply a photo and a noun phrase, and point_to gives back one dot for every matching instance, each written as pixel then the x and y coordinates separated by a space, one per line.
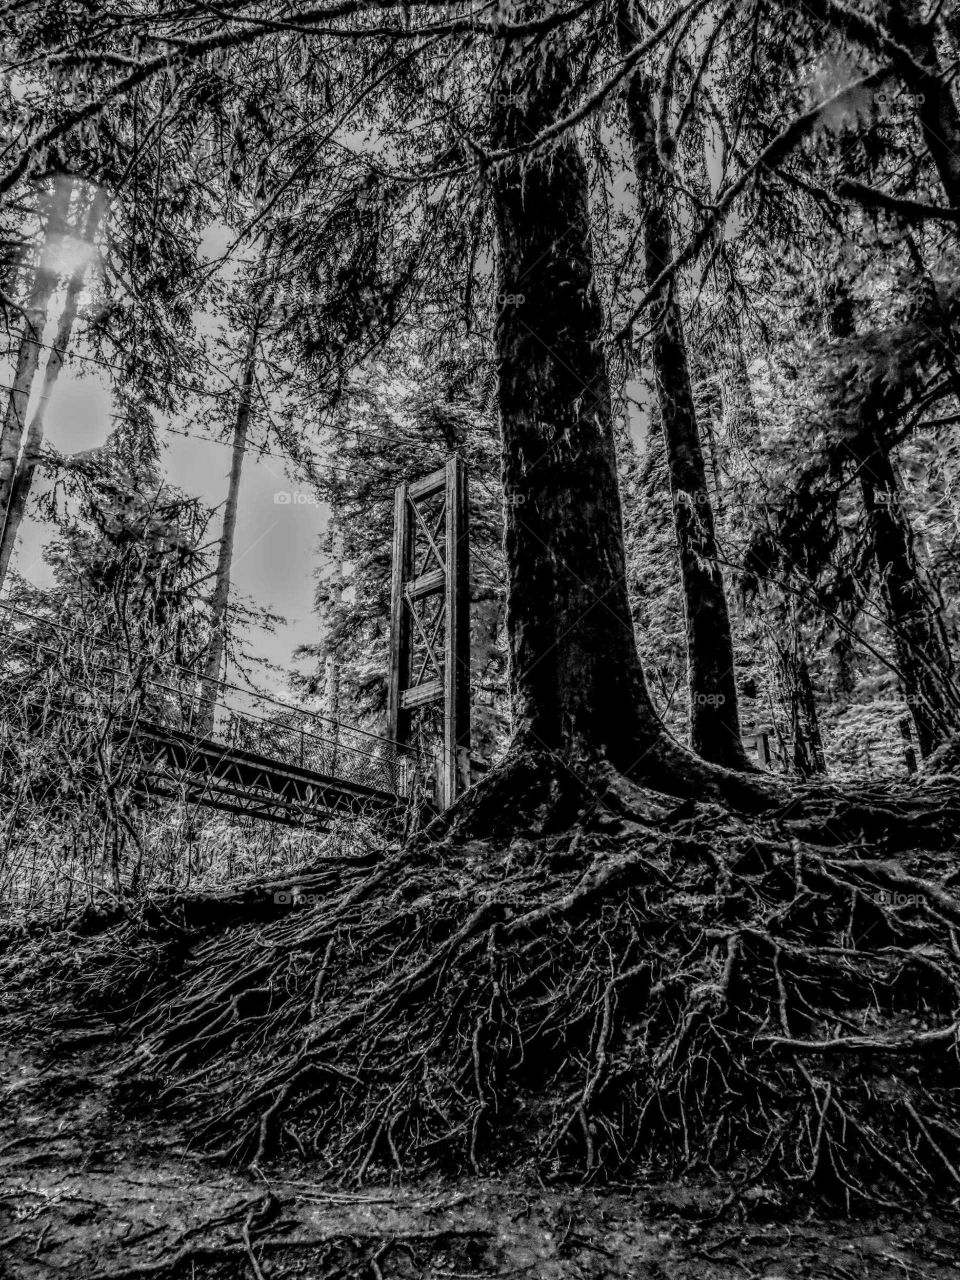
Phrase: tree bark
pixel 811 718
pixel 331 674
pixel 45 277
pixel 740 410
pixel 923 659
pixel 711 670
pixel 577 688
pixel 23 476
pixel 575 678
pixel 220 599
pixel 909 755
pixel 917 64
pixel 937 112
pixel 797 688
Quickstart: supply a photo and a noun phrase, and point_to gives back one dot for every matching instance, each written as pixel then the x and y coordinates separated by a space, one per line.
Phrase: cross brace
pixel 443 674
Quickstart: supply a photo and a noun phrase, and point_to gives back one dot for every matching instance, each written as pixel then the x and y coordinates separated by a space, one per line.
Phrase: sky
pixel 277 547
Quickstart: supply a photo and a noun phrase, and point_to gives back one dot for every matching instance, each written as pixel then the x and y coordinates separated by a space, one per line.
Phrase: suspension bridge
pixel 143 722
pixel 282 764
pixel 257 756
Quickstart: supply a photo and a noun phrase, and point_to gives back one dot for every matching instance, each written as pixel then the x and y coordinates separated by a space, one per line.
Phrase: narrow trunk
pixel 577 688
pixel 797 689
pixel 922 658
pixel 937 111
pixel 220 599
pixel 45 279
pixel 808 709
pixel 331 693
pixel 909 755
pixel 740 410
pixel 707 403
pixel 23 476
pixel 919 71
pixel 714 717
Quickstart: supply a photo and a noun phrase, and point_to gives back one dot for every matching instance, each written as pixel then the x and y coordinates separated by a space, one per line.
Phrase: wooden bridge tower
pixel 430 616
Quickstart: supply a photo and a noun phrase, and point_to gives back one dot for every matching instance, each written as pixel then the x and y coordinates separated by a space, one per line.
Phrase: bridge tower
pixel 430 617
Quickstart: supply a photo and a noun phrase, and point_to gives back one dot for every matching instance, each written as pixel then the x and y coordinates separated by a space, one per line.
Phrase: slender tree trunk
pixel 920 73
pixel 909 755
pixel 708 398
pixel 811 717
pixel 577 688
pixel 797 688
pixel 714 716
pixel 740 409
pixel 219 601
pixel 23 477
pixel 922 658
pixel 44 284
pixel 937 111
pixel 331 693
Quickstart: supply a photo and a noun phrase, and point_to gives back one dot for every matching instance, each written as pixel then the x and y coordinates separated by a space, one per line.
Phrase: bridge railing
pixel 110 686
pixel 303 741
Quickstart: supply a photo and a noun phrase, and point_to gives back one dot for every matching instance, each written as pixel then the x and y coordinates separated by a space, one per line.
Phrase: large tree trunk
pixel 714 717
pixel 30 457
pixel 578 691
pixel 45 277
pixel 220 599
pixel 576 682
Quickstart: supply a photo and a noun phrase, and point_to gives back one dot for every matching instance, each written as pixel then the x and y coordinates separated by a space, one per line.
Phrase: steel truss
pixel 176 764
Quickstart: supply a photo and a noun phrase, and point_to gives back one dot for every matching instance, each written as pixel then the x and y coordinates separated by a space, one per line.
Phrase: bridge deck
pixel 262 757
pixel 217 775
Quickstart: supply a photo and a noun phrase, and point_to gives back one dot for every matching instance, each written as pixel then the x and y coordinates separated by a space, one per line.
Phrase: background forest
pixel 273 228
pixel 677 283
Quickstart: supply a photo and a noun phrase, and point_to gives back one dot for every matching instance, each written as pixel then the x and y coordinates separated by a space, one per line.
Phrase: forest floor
pixel 97 1182
pixel 90 1191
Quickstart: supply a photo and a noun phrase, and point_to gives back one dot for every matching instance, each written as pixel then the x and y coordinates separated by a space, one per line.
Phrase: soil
pixel 93 1187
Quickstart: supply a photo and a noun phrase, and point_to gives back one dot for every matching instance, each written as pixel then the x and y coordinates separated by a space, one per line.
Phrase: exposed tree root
pixel 539 792
pixel 667 986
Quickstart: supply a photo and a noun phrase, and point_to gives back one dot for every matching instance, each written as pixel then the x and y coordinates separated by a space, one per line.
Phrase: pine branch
pixel 914 210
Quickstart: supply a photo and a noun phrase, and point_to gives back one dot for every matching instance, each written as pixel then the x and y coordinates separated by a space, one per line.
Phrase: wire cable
pixel 222 685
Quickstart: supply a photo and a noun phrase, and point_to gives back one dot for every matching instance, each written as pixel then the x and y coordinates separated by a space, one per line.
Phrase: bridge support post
pixel 430 599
